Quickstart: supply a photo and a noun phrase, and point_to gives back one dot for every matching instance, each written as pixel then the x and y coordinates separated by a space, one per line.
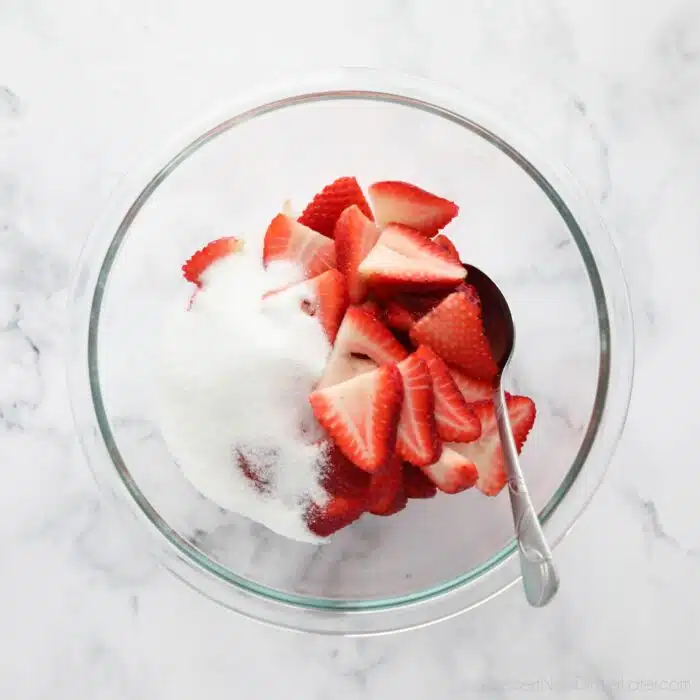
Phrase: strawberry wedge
pixel 454 329
pixel 361 414
pixel 355 235
pixel 405 260
pixel 202 259
pixel 287 239
pixel 337 513
pixel 486 452
pixel 456 422
pixel 417 439
pixel 324 210
pixel 402 203
pixel 453 472
pixel 362 343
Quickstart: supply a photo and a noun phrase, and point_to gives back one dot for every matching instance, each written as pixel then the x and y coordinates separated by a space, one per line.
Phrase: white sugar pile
pixel 233 379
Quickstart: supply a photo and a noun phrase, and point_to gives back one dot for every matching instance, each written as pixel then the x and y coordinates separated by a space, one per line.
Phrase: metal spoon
pixel 540 578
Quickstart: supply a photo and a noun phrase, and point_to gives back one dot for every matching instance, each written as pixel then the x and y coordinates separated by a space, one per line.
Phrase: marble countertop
pixel 615 86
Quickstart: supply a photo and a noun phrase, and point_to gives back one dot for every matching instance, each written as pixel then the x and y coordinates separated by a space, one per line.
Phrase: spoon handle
pixel 540 578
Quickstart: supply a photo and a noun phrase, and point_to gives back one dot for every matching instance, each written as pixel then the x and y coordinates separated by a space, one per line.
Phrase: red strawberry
pixel 355 235
pixel 361 415
pixel 326 207
pixel 453 472
pixel 200 261
pixel 287 239
pixel 456 422
pixel 444 242
pixel 417 439
pixel 405 260
pixel 472 390
pixel 340 477
pixel 416 484
pixel 455 331
pixel 325 296
pixel 402 203
pixel 337 513
pixel 486 452
pixel 361 334
pixel 386 489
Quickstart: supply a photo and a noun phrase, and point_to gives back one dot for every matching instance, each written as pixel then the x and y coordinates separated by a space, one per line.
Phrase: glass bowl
pixel 522 220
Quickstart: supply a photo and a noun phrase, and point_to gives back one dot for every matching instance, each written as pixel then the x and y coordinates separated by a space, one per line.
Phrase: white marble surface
pixel 615 87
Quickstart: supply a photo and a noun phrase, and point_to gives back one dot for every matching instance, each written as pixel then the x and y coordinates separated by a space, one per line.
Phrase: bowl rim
pixel 609 411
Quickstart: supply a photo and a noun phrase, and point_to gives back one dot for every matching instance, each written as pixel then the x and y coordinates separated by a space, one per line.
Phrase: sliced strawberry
pixel 472 390
pixel 486 452
pixel 287 239
pixel 340 477
pixel 456 422
pixel 455 331
pixel 398 504
pixel 361 415
pixel 444 242
pixel 337 513
pixel 416 484
pixel 402 203
pixel 405 260
pixel 386 488
pixel 325 296
pixel 355 235
pixel 453 472
pixel 361 335
pixel 326 207
pixel 417 439
pixel 200 261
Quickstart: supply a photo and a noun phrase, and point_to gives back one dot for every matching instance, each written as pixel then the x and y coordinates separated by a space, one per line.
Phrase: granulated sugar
pixel 233 379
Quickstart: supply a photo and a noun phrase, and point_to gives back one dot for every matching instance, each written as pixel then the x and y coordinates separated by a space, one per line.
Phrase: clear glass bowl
pixel 522 220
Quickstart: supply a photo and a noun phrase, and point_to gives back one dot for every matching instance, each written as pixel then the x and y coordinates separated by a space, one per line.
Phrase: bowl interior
pixel 232 183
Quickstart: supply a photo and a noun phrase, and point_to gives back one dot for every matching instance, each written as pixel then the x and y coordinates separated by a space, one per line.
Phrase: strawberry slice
pixel 325 296
pixel 325 208
pixel 472 390
pixel 486 452
pixel 405 260
pixel 416 484
pixel 287 239
pixel 373 308
pixel 453 472
pixel 361 335
pixel 355 235
pixel 417 439
pixel 202 259
pixel 361 415
pixel 454 329
pixel 386 492
pixel 402 203
pixel 340 477
pixel 456 422
pixel 337 513
pixel 448 246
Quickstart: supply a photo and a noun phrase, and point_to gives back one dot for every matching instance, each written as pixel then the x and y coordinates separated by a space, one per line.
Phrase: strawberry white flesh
pixel 453 472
